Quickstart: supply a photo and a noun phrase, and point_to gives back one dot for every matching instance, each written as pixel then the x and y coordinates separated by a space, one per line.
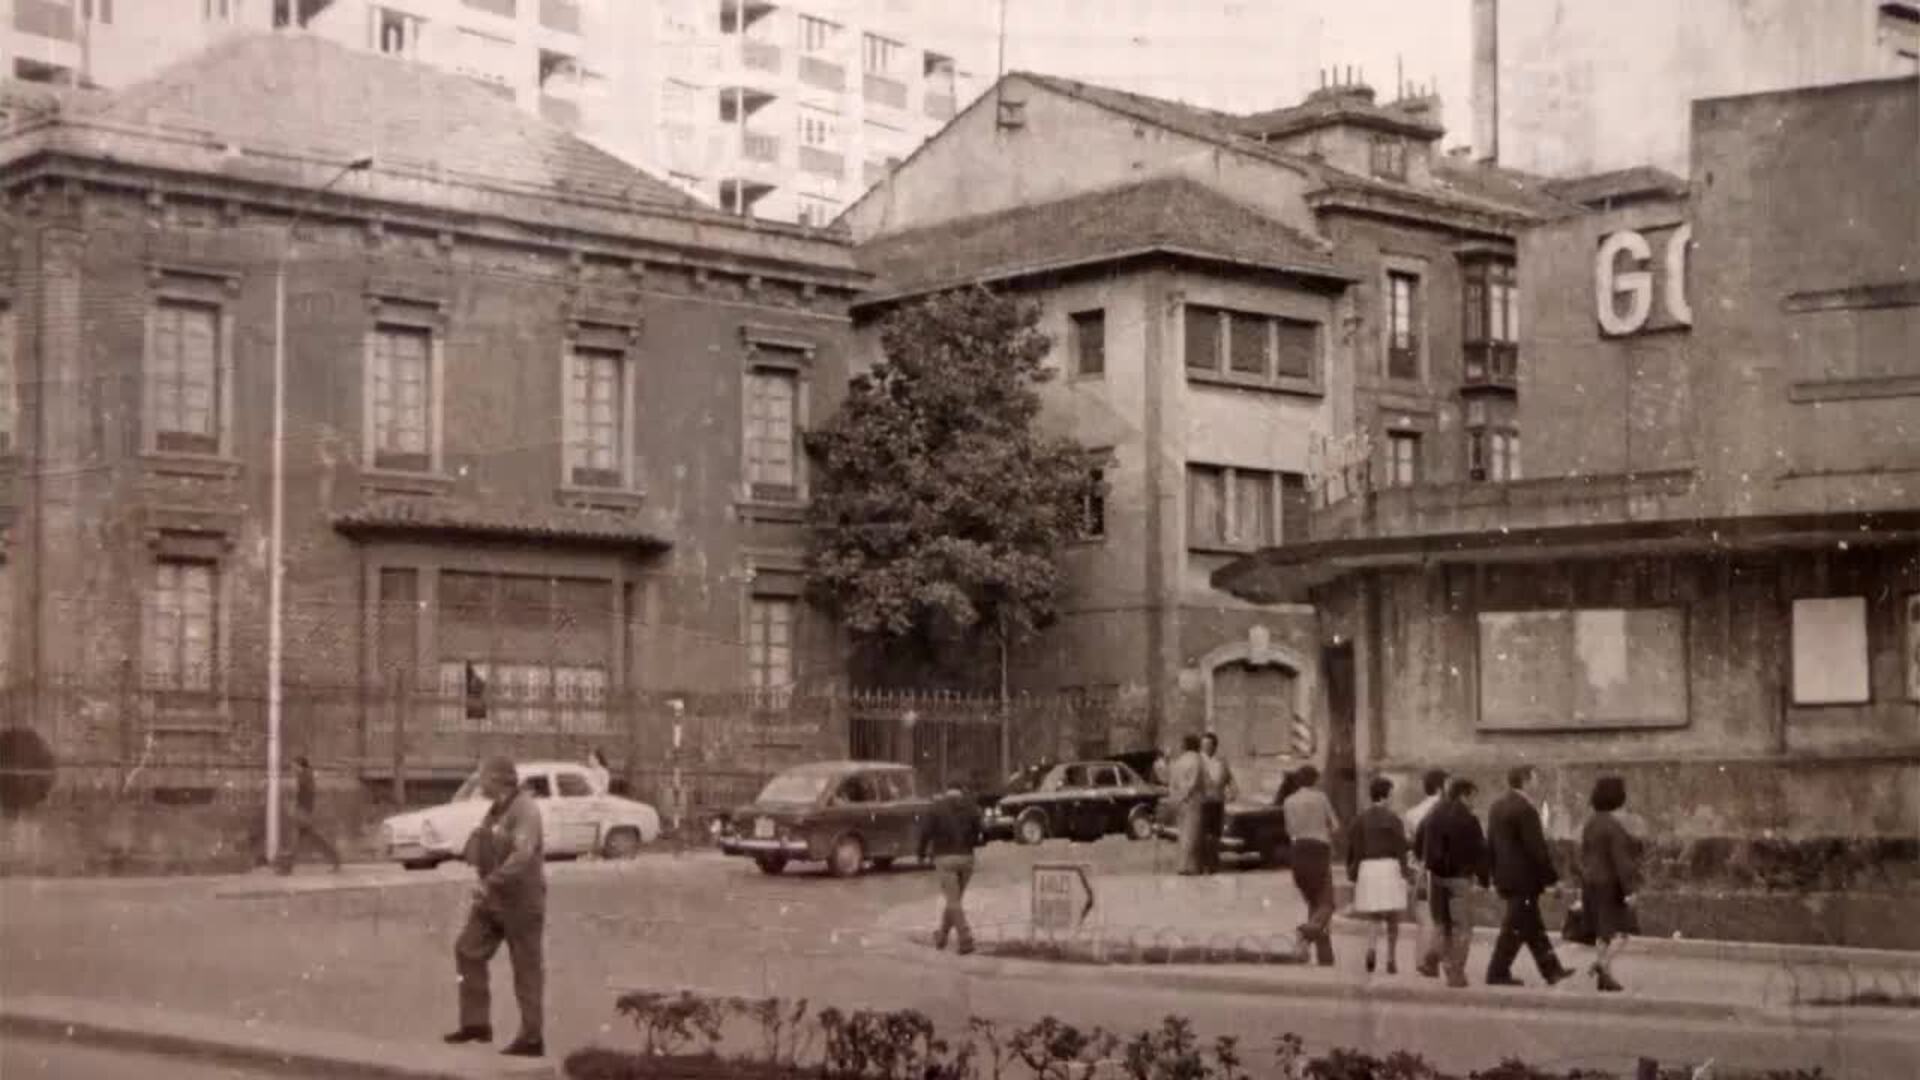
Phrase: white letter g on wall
pixel 1610 283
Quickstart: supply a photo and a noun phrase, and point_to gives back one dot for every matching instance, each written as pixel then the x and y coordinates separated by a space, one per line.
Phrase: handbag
pixel 1578 926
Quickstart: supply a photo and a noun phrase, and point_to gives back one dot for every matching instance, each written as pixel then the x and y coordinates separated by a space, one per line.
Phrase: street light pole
pixel 276 571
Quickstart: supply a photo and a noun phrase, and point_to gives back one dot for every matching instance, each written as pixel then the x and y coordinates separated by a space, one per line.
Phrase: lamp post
pixel 276 571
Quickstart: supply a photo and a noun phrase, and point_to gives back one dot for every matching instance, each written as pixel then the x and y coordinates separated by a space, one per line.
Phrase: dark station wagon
pixel 846 814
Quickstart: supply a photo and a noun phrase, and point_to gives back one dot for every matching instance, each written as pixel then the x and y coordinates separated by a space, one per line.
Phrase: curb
pixel 296 1051
pixel 1746 952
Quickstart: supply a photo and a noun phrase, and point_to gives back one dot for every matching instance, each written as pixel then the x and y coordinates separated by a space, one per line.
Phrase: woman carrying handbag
pixel 1610 872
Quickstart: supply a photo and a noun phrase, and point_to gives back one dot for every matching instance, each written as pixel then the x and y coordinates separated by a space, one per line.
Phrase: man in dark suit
pixel 1522 870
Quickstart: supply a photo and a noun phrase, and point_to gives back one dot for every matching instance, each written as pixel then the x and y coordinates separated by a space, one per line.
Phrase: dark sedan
pixel 1254 831
pixel 1081 800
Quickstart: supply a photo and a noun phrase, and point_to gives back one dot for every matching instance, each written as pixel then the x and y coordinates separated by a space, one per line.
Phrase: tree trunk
pixel 1006 713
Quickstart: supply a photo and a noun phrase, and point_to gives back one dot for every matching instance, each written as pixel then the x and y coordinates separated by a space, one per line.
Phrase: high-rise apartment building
pixel 115 42
pixel 779 111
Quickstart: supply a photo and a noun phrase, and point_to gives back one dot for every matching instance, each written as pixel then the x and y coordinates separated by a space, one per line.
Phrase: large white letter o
pixel 1678 308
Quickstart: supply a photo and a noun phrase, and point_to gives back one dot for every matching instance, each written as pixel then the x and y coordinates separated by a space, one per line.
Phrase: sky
pixel 1238 55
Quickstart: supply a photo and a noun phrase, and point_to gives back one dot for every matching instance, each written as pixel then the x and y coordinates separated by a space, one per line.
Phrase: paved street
pixel 367 952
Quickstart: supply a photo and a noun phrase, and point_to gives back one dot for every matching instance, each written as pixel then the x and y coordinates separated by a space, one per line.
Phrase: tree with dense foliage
pixel 939 504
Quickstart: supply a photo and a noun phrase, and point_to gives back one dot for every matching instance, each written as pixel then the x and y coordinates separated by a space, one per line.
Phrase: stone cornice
pixel 1408 207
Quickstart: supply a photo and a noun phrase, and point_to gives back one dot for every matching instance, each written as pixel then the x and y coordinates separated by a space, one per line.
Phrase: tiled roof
pixel 451 517
pixel 1619 185
pixel 304 95
pixel 1168 213
pixel 1338 105
pixel 1462 185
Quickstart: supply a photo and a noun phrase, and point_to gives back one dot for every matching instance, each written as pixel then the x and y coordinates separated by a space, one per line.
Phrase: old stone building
pixel 1250 314
pixel 1711 581
pixel 541 421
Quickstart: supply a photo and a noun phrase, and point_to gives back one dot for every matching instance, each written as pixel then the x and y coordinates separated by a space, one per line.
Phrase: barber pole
pixel 1302 737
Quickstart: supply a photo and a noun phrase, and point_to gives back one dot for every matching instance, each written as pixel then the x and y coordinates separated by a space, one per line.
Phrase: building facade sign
pixel 1627 280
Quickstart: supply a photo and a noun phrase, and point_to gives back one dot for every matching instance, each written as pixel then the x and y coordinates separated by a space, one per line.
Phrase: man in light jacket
pixel 1216 787
pixel 1311 827
pixel 1184 790
pixel 509 904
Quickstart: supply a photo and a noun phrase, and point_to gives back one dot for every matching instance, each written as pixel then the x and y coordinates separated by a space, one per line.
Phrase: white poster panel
pixel 1830 651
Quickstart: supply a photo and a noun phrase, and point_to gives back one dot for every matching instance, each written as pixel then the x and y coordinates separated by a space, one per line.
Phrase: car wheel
pixel 1031 828
pixel 848 858
pixel 1140 825
pixel 419 864
pixel 621 843
pixel 882 862
pixel 770 865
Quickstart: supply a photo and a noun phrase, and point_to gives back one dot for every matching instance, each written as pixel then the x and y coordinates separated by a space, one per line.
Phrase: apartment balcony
pixel 560 15
pixel 822 162
pixel 560 111
pixel 44 18
pixel 1491 365
pixel 885 90
pixel 938 105
pixel 506 9
pixel 823 74
pixel 759 147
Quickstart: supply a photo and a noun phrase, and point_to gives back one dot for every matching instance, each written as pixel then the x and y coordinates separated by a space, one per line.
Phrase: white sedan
pixel 576 816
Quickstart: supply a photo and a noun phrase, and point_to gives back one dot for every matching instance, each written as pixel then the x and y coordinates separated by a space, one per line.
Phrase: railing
pixel 755 146
pixel 885 91
pixel 1492 363
pixel 824 74
pixel 44 18
pixel 760 55
pixel 561 15
pixel 939 106
pixel 822 162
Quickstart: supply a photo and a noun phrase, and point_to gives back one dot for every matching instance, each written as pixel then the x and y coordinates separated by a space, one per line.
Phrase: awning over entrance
pixel 452 519
pixel 1285 574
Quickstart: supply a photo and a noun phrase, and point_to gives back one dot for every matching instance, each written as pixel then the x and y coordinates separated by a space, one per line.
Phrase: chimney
pixel 1486 80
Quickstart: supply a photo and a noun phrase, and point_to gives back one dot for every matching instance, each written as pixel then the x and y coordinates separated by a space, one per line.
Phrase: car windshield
pixel 795 788
pixel 468 790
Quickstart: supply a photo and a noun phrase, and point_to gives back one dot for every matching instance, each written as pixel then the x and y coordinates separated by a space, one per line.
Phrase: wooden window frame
pixel 1220 370
pixel 771 351
pixel 388 312
pixel 1082 342
pixel 214 290
pixel 1234 536
pixel 619 339
pixel 1399 357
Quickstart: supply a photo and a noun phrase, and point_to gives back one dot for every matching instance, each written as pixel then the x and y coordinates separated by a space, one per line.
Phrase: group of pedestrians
pixel 1200 783
pixel 1430 860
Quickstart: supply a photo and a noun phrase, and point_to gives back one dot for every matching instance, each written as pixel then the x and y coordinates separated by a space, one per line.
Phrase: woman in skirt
pixel 1377 866
pixel 1609 873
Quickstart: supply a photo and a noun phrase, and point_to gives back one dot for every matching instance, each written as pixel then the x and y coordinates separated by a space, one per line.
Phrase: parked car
pixel 847 814
pixel 1253 830
pixel 576 819
pixel 1083 800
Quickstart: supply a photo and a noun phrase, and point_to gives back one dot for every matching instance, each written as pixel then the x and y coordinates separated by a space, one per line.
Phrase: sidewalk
pixel 299 1051
pixel 1257 913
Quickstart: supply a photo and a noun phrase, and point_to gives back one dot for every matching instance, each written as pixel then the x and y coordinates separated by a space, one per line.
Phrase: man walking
pixel 1311 826
pixel 1522 870
pixel 953 832
pixel 1184 791
pixel 509 904
pixel 305 827
pixel 1454 851
pixel 1216 787
pixel 1427 947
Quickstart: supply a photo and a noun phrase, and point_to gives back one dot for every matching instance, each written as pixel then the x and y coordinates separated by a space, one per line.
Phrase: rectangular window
pixel 1206 506
pixel 596 418
pixel 816 212
pixel 816 128
pixel 180 633
pixel 1090 343
pixel 1592 668
pixel 1252 524
pixel 1403 458
pixel 1403 326
pixel 396 33
pixel 881 55
pixel 183 377
pixel 1296 502
pixel 219 10
pixel 773 398
pixel 1830 651
pixel 1492 313
pixel 402 362
pixel 1390 157
pixel 1247 343
pixel 816 35
pixel 770 634
pixel 1093 504
pixel 1204 335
